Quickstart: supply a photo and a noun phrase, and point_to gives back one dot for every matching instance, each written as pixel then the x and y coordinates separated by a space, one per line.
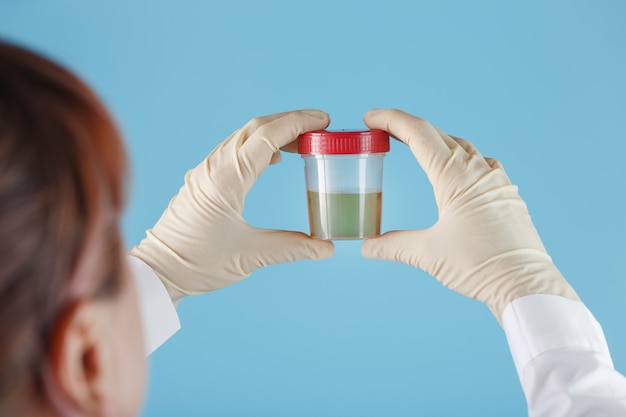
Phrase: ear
pixel 77 359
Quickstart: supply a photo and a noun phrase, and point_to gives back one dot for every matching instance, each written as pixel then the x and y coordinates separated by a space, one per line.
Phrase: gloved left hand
pixel 201 242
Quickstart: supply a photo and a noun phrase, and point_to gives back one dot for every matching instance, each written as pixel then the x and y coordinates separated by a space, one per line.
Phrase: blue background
pixel 537 84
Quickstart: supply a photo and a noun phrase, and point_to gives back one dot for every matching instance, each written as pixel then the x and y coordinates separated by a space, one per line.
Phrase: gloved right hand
pixel 484 244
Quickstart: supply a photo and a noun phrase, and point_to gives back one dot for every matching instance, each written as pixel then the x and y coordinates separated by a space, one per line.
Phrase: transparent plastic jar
pixel 344 173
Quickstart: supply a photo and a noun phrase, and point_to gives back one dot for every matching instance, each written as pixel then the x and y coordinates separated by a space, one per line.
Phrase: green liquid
pixel 344 215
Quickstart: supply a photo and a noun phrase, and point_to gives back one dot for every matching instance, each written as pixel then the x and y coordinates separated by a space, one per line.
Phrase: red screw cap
pixel 328 142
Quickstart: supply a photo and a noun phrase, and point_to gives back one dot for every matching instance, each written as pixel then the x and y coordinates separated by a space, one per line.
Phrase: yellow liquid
pixel 344 215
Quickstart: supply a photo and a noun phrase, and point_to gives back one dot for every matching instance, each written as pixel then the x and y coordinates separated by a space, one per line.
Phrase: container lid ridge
pixel 329 142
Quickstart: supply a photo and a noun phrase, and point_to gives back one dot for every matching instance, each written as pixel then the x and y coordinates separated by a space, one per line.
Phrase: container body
pixel 344 194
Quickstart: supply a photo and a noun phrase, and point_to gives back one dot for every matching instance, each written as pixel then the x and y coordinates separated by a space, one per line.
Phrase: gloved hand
pixel 201 242
pixel 484 244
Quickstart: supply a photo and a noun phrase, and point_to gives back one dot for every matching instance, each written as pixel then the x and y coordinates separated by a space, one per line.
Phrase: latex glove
pixel 201 242
pixel 484 244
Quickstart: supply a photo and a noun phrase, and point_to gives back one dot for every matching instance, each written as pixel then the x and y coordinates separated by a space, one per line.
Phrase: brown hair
pixel 62 166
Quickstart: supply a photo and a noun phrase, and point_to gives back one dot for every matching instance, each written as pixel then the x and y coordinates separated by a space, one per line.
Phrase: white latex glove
pixel 201 242
pixel 484 244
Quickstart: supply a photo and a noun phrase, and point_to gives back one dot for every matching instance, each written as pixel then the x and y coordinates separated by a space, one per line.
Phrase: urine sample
pixel 343 173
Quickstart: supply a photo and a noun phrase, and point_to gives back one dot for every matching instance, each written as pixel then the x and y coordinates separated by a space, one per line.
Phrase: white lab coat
pixel 558 347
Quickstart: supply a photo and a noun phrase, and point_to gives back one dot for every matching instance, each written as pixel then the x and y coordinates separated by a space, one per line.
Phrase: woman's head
pixel 66 301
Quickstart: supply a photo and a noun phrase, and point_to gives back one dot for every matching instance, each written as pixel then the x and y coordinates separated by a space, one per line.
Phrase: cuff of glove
pixel 152 252
pixel 538 323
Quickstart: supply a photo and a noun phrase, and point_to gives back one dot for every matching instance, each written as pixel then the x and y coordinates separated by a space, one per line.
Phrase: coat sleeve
pixel 562 359
pixel 158 314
